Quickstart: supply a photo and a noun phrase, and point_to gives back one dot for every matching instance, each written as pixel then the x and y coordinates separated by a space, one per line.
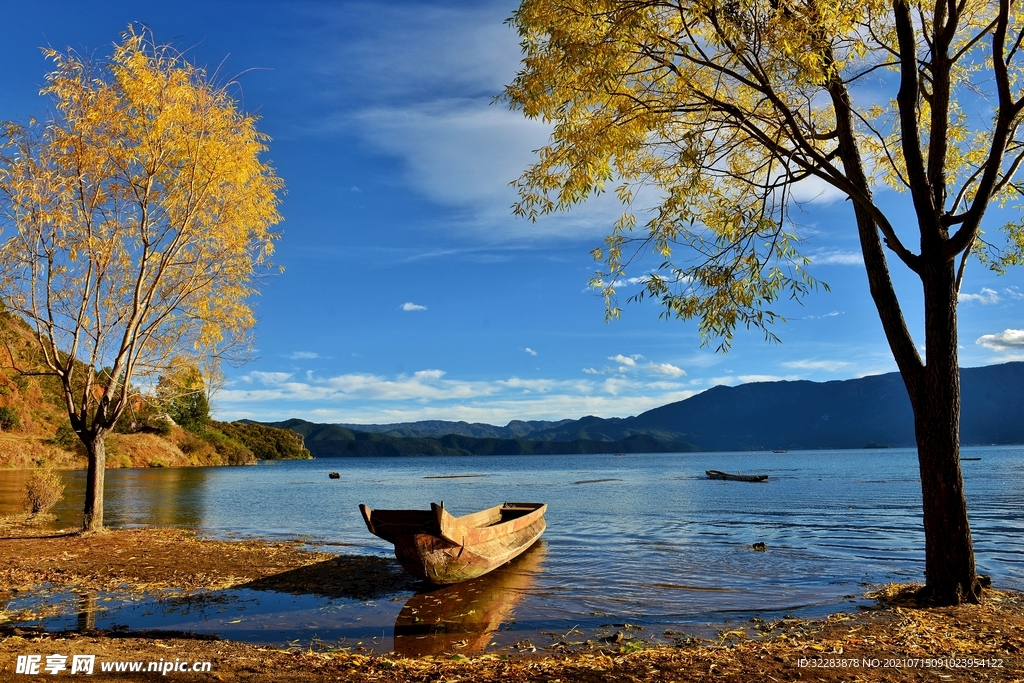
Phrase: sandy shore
pixel 896 641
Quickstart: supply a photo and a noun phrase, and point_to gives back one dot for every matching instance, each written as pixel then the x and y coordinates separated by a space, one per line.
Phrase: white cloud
pixel 666 369
pixel 431 394
pixel 530 351
pixel 836 257
pixel 601 284
pixel 304 355
pixel 986 297
pixel 813 190
pixel 827 365
pixel 592 371
pixel 1006 341
pixel 830 314
pixel 410 306
pixel 616 385
pixel 457 152
pixel 428 374
pixel 629 361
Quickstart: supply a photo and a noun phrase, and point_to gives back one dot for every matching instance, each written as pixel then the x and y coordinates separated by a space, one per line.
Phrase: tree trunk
pixel 950 576
pixel 97 452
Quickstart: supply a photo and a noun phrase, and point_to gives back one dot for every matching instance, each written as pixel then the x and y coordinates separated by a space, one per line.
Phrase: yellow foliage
pixel 725 108
pixel 139 220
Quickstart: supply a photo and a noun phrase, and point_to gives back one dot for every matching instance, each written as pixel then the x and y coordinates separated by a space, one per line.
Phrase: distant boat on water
pixel 781 450
pixel 715 474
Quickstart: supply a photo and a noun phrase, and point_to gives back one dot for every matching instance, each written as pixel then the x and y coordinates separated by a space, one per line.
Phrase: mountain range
pixel 871 411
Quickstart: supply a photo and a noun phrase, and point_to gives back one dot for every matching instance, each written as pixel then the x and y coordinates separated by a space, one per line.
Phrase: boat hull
pixel 443 549
pixel 715 474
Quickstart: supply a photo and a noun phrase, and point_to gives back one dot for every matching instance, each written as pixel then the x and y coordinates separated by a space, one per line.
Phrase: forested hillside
pixel 34 427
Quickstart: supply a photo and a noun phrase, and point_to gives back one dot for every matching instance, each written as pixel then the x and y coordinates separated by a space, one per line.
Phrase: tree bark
pixel 950 576
pixel 97 452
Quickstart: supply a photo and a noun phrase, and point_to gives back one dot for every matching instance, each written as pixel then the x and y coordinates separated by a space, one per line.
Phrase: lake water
pixel 646 540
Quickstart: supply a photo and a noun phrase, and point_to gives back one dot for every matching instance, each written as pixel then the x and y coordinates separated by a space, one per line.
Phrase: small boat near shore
pixel 715 474
pixel 441 548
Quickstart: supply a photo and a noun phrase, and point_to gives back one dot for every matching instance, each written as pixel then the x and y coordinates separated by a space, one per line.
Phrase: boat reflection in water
pixel 462 617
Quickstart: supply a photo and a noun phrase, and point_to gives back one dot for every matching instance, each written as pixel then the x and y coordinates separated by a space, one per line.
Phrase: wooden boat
pixel 437 546
pixel 715 474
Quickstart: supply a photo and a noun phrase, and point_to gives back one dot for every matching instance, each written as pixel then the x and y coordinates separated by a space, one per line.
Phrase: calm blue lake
pixel 654 542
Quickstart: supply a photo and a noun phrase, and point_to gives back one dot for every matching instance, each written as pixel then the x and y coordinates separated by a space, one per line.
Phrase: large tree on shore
pixel 725 106
pixel 137 221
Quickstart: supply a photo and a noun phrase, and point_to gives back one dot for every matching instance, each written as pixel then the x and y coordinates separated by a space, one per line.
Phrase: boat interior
pixel 499 514
pixel 389 523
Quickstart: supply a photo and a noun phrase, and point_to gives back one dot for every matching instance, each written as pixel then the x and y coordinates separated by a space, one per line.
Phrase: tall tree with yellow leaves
pixel 139 218
pixel 725 106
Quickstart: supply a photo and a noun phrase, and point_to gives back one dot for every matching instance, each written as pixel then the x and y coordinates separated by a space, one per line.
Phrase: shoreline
pixel 154 559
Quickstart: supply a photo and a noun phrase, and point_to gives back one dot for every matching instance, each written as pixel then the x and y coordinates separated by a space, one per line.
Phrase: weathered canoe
pixel 438 547
pixel 715 474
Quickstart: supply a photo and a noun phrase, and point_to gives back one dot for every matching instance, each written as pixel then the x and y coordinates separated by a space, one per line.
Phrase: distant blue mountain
pixel 869 411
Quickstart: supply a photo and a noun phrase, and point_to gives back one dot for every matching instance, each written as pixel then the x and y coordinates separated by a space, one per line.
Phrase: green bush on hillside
pixel 9 419
pixel 232 450
pixel 65 437
pixel 266 443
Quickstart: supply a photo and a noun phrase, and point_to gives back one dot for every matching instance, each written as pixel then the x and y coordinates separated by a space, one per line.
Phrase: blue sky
pixel 410 291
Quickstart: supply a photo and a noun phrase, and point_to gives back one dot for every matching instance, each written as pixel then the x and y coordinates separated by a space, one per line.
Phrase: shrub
pixel 9 419
pixel 190 443
pixel 232 450
pixel 160 425
pixel 65 437
pixel 42 491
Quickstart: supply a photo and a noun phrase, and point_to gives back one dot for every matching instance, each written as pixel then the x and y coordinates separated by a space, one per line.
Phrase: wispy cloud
pixel 530 351
pixel 267 378
pixel 431 394
pixel 986 297
pixel 836 257
pixel 304 355
pixel 427 102
pixel 410 306
pixel 826 365
pixel 830 314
